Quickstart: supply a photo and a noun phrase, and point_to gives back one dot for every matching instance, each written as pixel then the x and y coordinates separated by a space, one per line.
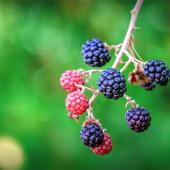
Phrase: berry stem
pixel 137 54
pixel 90 113
pixel 85 88
pixel 141 62
pixel 113 46
pixel 126 65
pixel 87 72
pixel 95 94
pixel 92 99
pixel 130 101
pixel 132 57
pixel 128 37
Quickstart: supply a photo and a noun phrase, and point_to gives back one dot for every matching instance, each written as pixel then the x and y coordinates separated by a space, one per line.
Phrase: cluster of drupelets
pixel 112 85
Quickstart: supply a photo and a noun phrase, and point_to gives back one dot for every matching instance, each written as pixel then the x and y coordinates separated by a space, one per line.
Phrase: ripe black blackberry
pixel 138 119
pixel 95 53
pixel 149 85
pixel 112 83
pixel 165 82
pixel 92 135
pixel 157 72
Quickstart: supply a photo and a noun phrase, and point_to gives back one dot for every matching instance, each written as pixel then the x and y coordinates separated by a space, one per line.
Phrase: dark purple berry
pixel 149 85
pixel 95 53
pixel 157 72
pixel 165 82
pixel 92 135
pixel 112 83
pixel 138 119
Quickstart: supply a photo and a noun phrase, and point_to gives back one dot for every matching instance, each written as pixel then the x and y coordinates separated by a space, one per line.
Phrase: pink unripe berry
pixel 77 103
pixel 69 79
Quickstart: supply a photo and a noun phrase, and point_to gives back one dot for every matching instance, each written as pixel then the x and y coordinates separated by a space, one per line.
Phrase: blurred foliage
pixel 39 41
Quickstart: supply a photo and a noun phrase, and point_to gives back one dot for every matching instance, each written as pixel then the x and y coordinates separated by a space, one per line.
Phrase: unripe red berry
pixel 105 147
pixel 69 79
pixel 77 103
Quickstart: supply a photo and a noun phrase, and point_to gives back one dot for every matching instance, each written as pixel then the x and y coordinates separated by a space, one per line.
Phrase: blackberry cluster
pixel 95 53
pixel 112 83
pixel 138 119
pixel 92 135
pixel 157 72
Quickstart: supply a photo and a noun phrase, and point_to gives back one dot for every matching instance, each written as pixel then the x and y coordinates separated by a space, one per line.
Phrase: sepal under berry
pixel 137 77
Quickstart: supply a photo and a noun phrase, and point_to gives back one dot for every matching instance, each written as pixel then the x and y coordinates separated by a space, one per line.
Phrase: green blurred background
pixel 39 41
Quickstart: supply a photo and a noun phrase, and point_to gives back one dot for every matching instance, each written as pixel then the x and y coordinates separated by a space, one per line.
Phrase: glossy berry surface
pixel 77 103
pixel 138 119
pixel 95 53
pixel 157 72
pixel 105 147
pixel 69 79
pixel 165 82
pixel 92 135
pixel 112 83
pixel 149 85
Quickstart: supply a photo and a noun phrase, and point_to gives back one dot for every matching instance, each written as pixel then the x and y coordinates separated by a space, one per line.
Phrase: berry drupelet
pixel 149 85
pixel 165 82
pixel 92 135
pixel 157 72
pixel 112 83
pixel 69 79
pixel 138 119
pixel 105 147
pixel 95 53
pixel 77 103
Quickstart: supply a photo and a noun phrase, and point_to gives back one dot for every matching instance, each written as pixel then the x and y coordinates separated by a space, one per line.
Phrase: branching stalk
pixel 126 42
pixel 120 49
pixel 126 65
pixel 130 101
